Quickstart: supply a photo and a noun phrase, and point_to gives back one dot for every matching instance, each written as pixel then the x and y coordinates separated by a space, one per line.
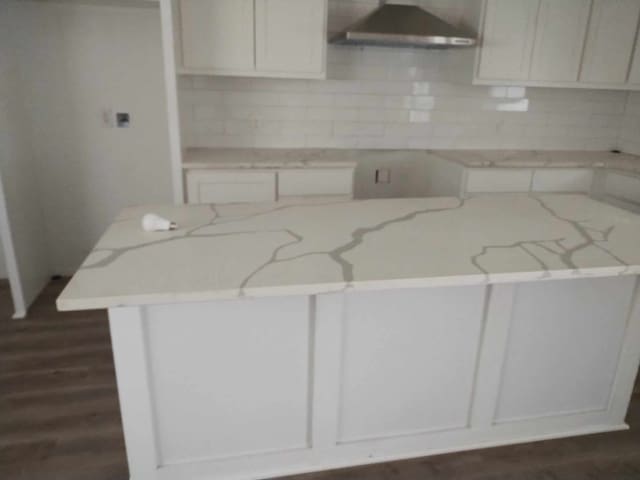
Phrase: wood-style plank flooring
pixel 59 416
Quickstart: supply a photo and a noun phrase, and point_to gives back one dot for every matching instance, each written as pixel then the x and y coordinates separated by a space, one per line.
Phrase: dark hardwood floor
pixel 59 416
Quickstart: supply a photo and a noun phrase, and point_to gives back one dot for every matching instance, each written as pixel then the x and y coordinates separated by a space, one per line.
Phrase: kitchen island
pixel 259 340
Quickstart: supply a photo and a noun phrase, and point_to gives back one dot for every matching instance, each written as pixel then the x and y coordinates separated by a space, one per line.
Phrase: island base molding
pixel 263 387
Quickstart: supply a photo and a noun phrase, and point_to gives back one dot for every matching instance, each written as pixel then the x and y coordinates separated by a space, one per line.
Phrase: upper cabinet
pixel 260 38
pixel 611 40
pixel 217 34
pixel 507 39
pixel 559 43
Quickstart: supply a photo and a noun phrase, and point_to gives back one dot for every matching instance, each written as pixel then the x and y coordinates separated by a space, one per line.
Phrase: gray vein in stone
pixel 242 218
pixel 583 232
pixel 272 259
pixel 358 235
pixel 115 253
pixel 523 245
pixel 337 254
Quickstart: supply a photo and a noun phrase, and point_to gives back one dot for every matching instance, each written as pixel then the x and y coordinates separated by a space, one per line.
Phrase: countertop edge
pixel 480 279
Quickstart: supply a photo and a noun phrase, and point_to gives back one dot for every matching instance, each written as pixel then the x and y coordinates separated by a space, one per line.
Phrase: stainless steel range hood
pixel 393 25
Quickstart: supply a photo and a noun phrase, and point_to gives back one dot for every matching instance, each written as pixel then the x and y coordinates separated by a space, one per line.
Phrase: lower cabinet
pixel 499 180
pixel 230 186
pixel 215 186
pixel 356 377
pixel 622 187
pixel 483 180
pixel 575 180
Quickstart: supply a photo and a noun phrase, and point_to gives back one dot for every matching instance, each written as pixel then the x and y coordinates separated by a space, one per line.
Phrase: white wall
pixel 21 217
pixel 395 98
pixel 79 59
pixel 630 131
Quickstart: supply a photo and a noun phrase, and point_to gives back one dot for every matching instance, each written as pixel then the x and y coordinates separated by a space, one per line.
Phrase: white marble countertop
pixel 247 158
pixel 237 250
pixel 540 159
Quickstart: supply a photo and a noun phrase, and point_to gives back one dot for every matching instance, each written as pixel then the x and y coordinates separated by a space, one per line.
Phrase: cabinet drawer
pixel 498 180
pixel 562 180
pixel 204 186
pixel 321 181
pixel 625 187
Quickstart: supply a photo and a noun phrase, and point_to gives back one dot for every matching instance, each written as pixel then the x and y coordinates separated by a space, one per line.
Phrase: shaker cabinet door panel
pixel 217 35
pixel 634 72
pixel 290 35
pixel 559 40
pixel 508 37
pixel 610 41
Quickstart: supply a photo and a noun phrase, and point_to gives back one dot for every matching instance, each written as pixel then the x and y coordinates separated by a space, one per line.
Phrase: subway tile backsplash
pixel 398 98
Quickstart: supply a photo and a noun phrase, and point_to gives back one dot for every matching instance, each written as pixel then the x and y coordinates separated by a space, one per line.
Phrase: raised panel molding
pixel 508 36
pixel 411 373
pixel 610 41
pixel 563 43
pixel 558 43
pixel 217 34
pixel 564 344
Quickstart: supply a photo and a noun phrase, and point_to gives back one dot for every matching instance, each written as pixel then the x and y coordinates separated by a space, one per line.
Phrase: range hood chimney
pixel 392 25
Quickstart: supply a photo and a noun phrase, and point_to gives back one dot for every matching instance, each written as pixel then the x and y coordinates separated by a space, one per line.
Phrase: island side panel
pixel 564 343
pixel 258 388
pixel 408 361
pixel 129 343
pixel 230 378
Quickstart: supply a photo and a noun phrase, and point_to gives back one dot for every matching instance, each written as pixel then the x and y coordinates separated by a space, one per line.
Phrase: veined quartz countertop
pixel 540 159
pixel 251 250
pixel 223 158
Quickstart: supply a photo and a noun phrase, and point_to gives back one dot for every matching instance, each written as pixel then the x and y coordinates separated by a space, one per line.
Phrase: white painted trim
pixel 499 308
pixel 171 86
pixel 326 315
pixel 8 250
pixel 326 371
pixel 629 361
pixel 129 343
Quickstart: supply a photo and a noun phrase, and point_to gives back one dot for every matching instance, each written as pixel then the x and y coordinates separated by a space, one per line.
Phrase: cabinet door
pixel 559 40
pixel 321 181
pixel 625 187
pixel 217 35
pixel 215 186
pixel 507 42
pixel 562 180
pixel 610 41
pixel 290 36
pixel 483 180
pixel 634 72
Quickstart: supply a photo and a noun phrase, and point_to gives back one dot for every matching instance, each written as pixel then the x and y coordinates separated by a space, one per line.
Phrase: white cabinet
pixel 227 185
pixel 578 180
pixel 622 187
pixel 558 43
pixel 483 180
pixel 634 71
pixel 500 180
pixel 610 41
pixel 321 182
pixel 217 34
pixel 215 186
pixel 270 38
pixel 508 36
pixel 290 36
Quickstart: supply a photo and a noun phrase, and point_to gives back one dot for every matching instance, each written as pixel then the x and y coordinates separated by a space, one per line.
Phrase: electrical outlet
pixel 123 120
pixel 383 175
